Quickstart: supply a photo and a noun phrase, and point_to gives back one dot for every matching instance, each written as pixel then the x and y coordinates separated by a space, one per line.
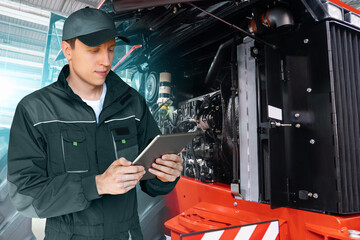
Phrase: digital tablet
pixel 160 145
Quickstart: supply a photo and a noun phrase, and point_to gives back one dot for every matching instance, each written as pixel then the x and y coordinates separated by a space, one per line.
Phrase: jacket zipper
pixel 116 152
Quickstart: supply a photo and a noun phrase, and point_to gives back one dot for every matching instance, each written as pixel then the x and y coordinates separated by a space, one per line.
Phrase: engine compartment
pixel 199 54
pixel 253 78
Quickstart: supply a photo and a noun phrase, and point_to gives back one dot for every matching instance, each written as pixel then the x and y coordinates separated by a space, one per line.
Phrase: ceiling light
pixel 21 62
pixel 334 11
pixel 7 47
pixel 353 18
pixel 25 16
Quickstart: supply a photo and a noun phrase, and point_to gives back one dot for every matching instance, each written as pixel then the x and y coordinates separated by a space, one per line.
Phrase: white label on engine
pixel 275 113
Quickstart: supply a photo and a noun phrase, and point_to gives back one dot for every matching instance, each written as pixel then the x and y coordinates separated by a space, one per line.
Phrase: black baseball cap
pixel 91 26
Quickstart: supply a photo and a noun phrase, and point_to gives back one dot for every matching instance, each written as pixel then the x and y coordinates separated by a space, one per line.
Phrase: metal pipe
pixel 100 4
pixel 218 59
pixel 125 56
pixel 121 6
pixel 277 17
pixel 236 28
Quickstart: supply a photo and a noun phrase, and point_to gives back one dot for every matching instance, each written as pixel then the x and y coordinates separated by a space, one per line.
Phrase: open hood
pixel 128 5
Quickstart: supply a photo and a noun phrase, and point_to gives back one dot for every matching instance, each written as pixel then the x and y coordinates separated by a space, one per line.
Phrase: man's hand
pixel 167 168
pixel 119 178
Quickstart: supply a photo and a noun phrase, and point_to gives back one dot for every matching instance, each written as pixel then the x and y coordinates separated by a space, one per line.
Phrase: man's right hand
pixel 119 178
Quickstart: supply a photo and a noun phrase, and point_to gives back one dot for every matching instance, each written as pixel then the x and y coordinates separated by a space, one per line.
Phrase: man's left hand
pixel 167 168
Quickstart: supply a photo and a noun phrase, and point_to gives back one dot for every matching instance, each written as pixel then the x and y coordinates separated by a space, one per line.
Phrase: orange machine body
pixel 195 206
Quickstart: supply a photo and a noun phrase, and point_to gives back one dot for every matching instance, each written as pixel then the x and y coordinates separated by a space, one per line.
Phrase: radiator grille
pixel 345 56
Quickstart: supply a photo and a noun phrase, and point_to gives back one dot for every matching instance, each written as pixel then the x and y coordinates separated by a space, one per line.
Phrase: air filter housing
pixel 314 78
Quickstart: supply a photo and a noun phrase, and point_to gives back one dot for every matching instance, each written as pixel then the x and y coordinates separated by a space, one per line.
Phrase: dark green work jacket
pixel 56 148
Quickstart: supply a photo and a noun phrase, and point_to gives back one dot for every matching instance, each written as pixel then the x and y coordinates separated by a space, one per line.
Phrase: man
pixel 72 142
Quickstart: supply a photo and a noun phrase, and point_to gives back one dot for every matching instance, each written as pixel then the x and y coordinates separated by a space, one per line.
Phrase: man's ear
pixel 67 50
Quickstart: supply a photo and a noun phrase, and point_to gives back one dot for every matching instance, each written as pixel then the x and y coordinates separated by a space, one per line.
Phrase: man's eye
pixel 111 50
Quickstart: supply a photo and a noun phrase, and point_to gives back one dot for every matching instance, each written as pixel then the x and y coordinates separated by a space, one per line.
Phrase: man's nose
pixel 105 58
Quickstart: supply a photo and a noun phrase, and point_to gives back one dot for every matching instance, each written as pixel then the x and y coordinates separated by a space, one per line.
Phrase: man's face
pixel 90 65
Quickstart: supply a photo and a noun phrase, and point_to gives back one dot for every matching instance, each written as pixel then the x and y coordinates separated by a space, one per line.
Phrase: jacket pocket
pixel 74 151
pixel 125 143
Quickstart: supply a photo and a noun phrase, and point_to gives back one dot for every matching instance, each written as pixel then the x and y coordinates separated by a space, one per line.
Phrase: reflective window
pixel 23 34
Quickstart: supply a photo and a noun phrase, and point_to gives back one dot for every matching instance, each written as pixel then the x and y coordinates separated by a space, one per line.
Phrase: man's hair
pixel 71 42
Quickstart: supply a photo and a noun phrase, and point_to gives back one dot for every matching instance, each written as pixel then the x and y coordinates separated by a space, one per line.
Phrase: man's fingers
pixel 121 162
pixel 172 157
pixel 124 166
pixel 167 163
pixel 129 169
pixel 168 170
pixel 163 176
pixel 130 177
pixel 120 177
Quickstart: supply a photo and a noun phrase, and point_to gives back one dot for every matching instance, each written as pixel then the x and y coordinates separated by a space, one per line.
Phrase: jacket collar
pixel 116 87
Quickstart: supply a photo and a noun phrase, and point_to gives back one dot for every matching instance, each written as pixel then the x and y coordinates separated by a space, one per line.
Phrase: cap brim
pixel 98 38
